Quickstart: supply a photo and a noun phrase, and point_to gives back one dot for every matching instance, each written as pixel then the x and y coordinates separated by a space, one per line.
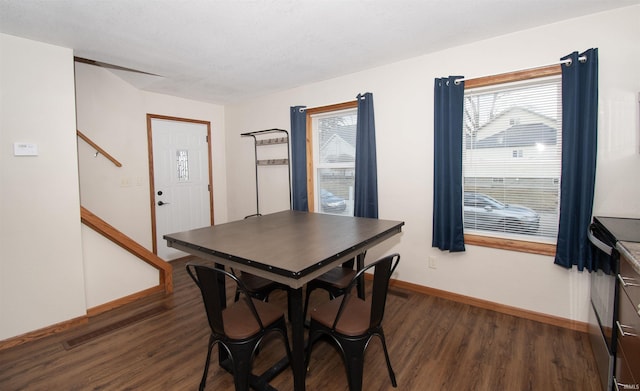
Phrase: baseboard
pixel 505 309
pixel 66 325
pixel 93 311
pixel 43 332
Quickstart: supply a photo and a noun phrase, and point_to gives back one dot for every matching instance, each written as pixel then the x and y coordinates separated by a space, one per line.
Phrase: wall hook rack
pixel 272 137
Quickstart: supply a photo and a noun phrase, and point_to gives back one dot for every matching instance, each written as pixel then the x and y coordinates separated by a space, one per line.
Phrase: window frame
pixel 310 168
pixel 502 243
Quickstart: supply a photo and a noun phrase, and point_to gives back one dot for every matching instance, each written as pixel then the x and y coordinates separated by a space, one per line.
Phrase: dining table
pixel 289 247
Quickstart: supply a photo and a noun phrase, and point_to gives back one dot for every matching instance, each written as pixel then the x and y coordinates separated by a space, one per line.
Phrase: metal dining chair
pixel 238 328
pixel 351 322
pixel 335 281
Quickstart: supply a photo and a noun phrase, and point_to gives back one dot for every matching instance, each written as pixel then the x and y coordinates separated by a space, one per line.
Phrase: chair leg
pixel 392 375
pixel 203 382
pixel 285 337
pixel 354 360
pixel 241 360
pixel 313 337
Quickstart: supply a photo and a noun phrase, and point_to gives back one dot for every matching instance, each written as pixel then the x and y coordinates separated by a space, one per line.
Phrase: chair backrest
pixel 381 277
pixel 212 284
pixel 384 268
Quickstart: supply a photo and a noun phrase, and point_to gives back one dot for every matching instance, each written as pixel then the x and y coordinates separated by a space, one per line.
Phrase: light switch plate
pixel 25 149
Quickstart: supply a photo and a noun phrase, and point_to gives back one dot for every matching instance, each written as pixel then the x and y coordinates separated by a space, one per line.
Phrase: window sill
pixel 513 245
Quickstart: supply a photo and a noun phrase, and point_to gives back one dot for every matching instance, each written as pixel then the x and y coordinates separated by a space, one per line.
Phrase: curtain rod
pixel 568 61
pixel 316 107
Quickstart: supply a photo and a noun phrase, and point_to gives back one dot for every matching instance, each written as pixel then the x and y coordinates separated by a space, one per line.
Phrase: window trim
pixel 312 111
pixel 501 243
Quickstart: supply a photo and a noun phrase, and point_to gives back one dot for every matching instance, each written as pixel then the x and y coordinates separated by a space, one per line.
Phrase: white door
pixel 181 179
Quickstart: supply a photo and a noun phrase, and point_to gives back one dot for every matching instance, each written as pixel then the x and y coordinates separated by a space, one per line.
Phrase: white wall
pixel 41 270
pixel 404 124
pixel 111 272
pixel 113 114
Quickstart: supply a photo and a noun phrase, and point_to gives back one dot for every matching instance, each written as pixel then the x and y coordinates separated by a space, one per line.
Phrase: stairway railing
pixel 98 149
pixel 105 229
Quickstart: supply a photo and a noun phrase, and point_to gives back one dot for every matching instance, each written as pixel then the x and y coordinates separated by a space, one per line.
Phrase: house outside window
pixel 512 147
pixel 332 131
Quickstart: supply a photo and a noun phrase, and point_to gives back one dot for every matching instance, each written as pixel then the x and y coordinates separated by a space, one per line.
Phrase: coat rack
pixel 272 139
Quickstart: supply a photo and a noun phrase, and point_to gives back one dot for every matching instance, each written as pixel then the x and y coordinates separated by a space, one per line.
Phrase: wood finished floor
pixel 434 344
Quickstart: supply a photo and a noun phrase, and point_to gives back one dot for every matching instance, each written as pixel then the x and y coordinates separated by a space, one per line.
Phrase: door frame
pixel 152 191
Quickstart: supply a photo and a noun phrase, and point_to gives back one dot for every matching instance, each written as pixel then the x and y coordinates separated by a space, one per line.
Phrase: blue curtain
pixel 579 145
pixel 447 165
pixel 366 176
pixel 299 158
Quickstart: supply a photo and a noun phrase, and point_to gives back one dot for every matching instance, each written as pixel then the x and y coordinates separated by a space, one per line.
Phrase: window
pixel 512 151
pixel 182 158
pixel 331 134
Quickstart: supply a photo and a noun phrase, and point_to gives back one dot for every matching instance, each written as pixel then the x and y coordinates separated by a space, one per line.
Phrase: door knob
pixel 160 203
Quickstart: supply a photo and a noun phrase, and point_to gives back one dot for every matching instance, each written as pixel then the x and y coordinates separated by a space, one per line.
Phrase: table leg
pixel 297 336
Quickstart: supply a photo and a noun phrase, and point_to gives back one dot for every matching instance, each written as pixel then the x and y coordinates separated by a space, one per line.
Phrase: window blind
pixel 334 144
pixel 512 147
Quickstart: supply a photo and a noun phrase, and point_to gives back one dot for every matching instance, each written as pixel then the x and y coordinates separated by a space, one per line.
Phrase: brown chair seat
pixel 239 322
pixel 354 320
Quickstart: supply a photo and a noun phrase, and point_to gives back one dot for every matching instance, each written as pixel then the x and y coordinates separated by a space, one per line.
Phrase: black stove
pixel 604 233
pixel 619 228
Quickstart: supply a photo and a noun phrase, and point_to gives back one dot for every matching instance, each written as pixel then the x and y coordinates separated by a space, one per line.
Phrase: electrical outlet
pixel 432 262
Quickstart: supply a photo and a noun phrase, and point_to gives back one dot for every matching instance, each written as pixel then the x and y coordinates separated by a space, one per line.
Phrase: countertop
pixel 631 250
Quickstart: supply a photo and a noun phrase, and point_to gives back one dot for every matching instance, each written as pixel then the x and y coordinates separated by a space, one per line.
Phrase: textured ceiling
pixel 223 51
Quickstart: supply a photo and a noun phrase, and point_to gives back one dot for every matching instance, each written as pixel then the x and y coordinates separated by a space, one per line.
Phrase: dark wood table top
pixel 290 247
